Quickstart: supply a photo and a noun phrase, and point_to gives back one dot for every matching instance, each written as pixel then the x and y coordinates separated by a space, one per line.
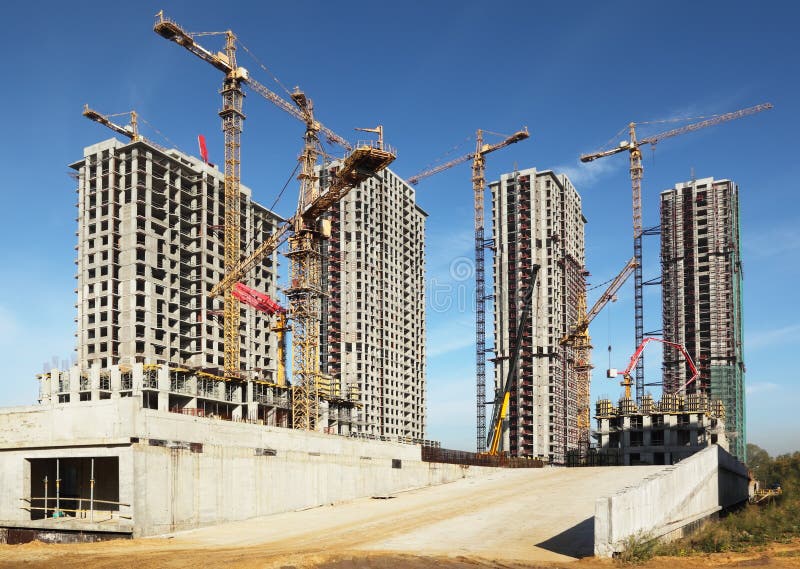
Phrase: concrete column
pixel 626 434
pixel 55 381
pixel 45 389
pixel 237 398
pixel 252 406
pixel 324 416
pixel 162 382
pixel 116 382
pixel 137 379
pixel 74 384
pixel 94 381
pixel 191 385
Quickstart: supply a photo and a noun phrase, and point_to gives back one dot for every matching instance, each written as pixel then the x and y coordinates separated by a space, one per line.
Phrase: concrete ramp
pixel 669 503
pixel 513 515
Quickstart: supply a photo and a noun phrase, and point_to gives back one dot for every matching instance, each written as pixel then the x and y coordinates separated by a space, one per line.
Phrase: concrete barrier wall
pixel 180 472
pixel 231 480
pixel 665 504
pixel 179 489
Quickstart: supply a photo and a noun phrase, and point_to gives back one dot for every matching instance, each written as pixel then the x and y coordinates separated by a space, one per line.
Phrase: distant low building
pixel 662 432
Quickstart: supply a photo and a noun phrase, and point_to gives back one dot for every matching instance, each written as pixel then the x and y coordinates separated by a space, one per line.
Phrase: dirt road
pixel 513 518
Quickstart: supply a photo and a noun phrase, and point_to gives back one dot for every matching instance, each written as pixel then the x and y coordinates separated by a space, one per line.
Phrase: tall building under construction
pixel 150 247
pixel 702 295
pixel 537 219
pixel 373 328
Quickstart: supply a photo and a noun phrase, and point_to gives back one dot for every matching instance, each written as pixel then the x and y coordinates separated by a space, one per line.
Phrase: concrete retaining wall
pixel 179 472
pixel 668 503
pixel 179 489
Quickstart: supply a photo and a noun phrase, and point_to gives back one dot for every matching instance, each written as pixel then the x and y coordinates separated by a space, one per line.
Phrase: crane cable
pixel 264 67
pixel 161 134
pixel 272 207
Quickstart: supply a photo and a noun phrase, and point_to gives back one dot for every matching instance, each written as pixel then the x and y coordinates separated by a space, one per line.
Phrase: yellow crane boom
pixel 503 393
pixel 355 169
pixel 131 132
pixel 483 149
pixel 583 323
pixel 172 31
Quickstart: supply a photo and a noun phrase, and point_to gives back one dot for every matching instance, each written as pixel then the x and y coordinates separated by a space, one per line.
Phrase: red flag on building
pixel 201 141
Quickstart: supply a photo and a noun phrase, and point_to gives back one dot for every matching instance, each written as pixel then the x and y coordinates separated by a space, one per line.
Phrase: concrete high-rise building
pixel 373 327
pixel 702 295
pixel 150 247
pixel 537 219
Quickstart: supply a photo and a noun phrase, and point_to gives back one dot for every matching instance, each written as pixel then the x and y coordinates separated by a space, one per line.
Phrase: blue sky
pixel 431 73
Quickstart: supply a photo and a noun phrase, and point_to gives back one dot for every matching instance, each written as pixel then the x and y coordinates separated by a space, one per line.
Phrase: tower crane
pixel 633 147
pixel 478 187
pixel 304 232
pixel 578 339
pixel 232 121
pixel 131 131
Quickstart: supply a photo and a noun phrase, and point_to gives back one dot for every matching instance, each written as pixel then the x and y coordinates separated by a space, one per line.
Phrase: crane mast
pixel 305 289
pixel 478 185
pixel 478 188
pixel 633 147
pixel 232 122
pixel 232 119
pixel 578 339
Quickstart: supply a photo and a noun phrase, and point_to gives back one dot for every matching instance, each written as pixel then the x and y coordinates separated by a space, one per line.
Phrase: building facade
pixel 537 219
pixel 373 323
pixel 150 248
pixel 702 295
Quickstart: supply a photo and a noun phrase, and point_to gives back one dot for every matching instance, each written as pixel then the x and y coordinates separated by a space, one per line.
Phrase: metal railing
pixel 448 456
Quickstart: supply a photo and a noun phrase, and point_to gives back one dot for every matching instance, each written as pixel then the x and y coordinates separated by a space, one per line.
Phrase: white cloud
pixel 450 334
pixel 753 388
pixel 772 242
pixel 764 338
pixel 443 249
pixel 587 175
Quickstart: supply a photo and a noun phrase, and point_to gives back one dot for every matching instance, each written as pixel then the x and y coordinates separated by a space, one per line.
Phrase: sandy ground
pixel 511 519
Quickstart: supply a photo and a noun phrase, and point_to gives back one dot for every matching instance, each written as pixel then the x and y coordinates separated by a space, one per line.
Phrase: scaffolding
pixel 538 221
pixel 701 289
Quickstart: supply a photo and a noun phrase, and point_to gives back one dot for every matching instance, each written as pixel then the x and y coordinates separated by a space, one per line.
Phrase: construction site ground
pixel 511 518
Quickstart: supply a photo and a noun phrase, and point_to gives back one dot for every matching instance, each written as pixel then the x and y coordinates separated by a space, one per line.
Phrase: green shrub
pixel 754 525
pixel 638 548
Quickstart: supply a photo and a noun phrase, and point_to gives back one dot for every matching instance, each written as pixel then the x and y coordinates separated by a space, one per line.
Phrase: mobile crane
pixel 502 397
